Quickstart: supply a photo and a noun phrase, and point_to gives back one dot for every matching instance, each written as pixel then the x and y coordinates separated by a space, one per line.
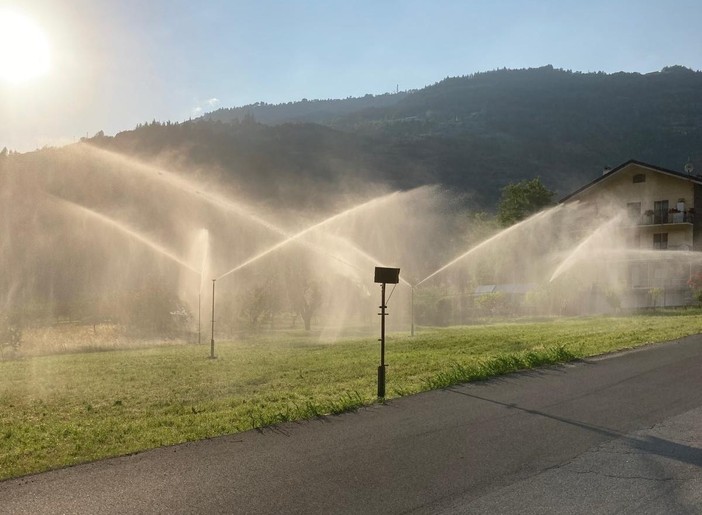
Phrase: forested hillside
pixel 471 134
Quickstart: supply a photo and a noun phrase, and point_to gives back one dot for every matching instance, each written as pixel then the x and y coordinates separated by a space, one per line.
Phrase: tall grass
pixel 483 369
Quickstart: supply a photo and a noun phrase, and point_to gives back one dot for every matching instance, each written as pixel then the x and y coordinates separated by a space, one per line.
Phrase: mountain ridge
pixel 471 134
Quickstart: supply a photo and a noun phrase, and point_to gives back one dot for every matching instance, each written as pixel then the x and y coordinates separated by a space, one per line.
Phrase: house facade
pixel 659 224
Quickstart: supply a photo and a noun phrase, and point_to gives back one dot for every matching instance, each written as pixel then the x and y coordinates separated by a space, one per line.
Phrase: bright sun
pixel 24 48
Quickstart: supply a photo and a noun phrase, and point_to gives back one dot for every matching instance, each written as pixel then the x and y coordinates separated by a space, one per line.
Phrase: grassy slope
pixel 71 408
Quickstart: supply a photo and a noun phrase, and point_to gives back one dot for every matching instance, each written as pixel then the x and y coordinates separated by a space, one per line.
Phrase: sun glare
pixel 24 48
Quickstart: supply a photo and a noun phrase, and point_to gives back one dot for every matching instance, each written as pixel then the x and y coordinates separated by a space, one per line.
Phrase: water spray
pixel 302 233
pixel 497 236
pixel 204 234
pixel 182 184
pixel 124 229
pixel 571 258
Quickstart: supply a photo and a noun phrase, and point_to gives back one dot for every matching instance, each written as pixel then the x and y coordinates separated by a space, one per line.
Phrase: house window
pixel 660 241
pixel 660 212
pixel 639 177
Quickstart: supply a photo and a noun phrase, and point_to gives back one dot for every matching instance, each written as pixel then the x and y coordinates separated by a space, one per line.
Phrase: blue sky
pixel 117 63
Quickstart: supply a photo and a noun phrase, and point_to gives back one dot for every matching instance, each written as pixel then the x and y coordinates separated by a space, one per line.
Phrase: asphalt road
pixel 608 435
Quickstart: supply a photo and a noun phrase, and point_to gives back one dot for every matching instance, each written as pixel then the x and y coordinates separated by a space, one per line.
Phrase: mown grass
pixel 70 408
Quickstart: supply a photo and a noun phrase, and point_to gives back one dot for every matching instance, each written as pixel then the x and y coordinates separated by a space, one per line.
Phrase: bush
pixel 154 312
pixel 496 303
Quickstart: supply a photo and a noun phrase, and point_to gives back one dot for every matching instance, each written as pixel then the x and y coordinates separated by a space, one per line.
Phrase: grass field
pixel 68 408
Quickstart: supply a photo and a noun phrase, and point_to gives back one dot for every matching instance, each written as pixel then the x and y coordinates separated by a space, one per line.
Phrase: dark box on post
pixel 387 275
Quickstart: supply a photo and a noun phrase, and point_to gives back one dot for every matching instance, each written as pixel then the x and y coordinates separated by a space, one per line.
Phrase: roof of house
pixel 697 179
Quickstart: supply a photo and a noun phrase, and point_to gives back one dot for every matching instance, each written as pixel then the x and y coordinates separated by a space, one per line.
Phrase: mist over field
pixel 290 214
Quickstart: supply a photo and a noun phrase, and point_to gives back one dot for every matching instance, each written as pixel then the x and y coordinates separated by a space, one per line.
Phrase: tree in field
pixel 304 287
pixel 521 199
pixel 306 299
pixel 259 304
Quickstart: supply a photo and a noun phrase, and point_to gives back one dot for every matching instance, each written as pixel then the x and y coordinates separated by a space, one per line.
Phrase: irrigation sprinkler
pixel 384 276
pixel 212 354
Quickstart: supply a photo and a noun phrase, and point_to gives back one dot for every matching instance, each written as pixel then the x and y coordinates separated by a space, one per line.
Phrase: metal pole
pixel 212 354
pixel 381 368
pixel 199 316
pixel 412 309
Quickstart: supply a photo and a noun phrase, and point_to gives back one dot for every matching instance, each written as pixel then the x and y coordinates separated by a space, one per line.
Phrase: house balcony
pixel 665 218
pixel 682 246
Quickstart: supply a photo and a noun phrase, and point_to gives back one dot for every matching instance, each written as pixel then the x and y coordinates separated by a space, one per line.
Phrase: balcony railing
pixel 666 218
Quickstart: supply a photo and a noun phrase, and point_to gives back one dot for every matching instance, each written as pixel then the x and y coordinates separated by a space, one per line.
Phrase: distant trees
pixel 521 199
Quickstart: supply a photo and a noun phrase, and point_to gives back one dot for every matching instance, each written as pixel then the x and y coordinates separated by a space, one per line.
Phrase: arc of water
pixel 186 186
pixel 189 187
pixel 126 230
pixel 365 255
pixel 374 260
pixel 572 256
pixel 309 229
pixel 492 239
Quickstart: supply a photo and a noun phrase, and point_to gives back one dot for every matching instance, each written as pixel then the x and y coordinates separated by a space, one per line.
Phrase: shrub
pixel 496 303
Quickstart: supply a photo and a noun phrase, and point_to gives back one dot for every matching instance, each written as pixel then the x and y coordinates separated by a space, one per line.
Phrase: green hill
pixel 472 134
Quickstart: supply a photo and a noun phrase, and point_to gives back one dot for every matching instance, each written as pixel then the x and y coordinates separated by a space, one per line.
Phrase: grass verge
pixel 70 408
pixel 483 369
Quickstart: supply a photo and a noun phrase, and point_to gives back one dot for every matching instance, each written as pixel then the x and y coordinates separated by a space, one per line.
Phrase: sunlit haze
pixel 24 48
pixel 117 64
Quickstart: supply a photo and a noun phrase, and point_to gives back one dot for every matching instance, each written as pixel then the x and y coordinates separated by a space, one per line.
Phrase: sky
pixel 116 63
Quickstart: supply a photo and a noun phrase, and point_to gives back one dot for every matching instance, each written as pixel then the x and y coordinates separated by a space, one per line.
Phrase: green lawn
pixel 69 408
